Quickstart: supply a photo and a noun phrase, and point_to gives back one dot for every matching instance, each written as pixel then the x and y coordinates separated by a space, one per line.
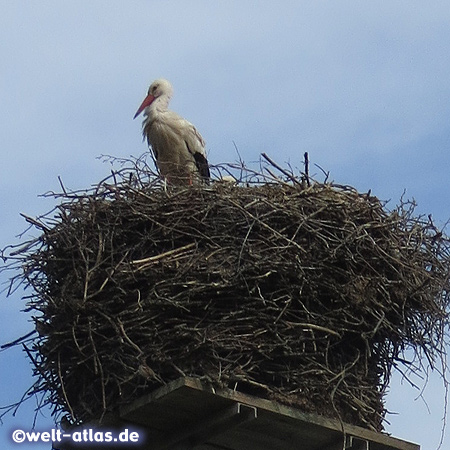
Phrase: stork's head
pixel 160 88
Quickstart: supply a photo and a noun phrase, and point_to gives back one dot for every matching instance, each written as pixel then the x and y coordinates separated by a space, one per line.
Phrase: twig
pixel 18 340
pixel 35 223
pixel 290 176
pixel 308 182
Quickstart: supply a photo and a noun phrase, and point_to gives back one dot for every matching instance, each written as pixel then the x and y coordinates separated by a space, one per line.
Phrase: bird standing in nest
pixel 178 147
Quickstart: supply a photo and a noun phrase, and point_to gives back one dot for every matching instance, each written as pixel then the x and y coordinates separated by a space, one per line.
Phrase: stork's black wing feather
pixel 202 165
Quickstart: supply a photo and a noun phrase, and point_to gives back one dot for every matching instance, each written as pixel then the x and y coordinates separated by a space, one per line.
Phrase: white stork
pixel 178 147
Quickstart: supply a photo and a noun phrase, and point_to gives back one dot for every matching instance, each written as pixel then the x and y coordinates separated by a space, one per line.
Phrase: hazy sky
pixel 364 87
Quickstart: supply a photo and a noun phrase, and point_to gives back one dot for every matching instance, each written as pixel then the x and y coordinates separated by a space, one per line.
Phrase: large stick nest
pixel 309 295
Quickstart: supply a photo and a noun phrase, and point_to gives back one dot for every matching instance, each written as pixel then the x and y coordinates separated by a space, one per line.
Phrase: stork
pixel 177 146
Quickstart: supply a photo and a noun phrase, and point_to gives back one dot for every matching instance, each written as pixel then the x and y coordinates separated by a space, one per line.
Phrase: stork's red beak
pixel 147 102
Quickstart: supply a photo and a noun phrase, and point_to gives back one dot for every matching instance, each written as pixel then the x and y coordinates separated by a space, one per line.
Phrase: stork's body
pixel 178 147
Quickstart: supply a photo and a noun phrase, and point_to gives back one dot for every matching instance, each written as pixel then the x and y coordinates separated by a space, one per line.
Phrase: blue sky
pixel 364 87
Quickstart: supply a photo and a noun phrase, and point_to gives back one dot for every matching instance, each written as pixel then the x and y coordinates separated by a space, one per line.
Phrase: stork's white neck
pixel 159 105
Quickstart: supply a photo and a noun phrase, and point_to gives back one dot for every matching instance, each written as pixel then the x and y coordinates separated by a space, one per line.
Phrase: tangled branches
pixel 304 294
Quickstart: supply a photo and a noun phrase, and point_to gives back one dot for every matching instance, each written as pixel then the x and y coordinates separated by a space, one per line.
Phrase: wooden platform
pixel 186 414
